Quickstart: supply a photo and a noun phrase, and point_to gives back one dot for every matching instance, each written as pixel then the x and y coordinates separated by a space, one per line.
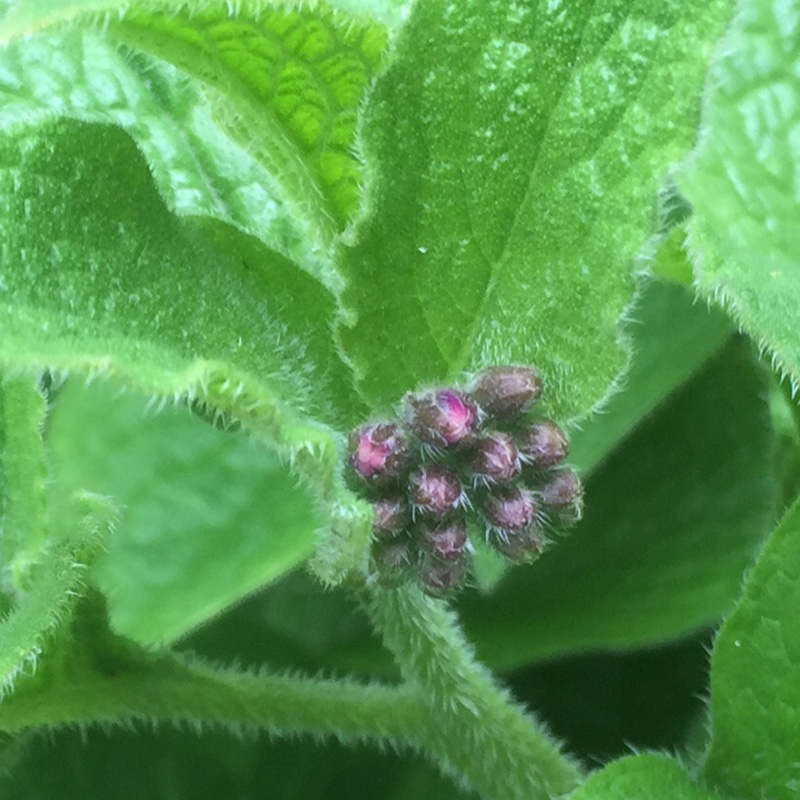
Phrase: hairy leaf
pixel 641 777
pixel 755 678
pixel 100 278
pixel 286 81
pixel 743 179
pixel 518 152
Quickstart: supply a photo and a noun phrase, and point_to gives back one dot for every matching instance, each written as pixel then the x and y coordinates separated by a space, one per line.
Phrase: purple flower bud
pixel 442 418
pixel 495 458
pixel 392 515
pixel 505 393
pixel 378 453
pixel 439 578
pixel 434 490
pixel 562 496
pixel 543 445
pixel 511 509
pixel 520 546
pixel 446 541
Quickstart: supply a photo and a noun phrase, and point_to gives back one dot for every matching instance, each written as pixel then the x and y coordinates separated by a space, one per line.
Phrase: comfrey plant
pixel 398 399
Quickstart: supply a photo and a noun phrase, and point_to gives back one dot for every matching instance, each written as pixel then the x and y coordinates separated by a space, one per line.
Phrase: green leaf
pixel 641 777
pixel 102 279
pixel 286 82
pixel 743 179
pixel 518 153
pixel 755 678
pixel 672 336
pixel 671 523
pixel 197 169
pixel 209 516
pixel 22 479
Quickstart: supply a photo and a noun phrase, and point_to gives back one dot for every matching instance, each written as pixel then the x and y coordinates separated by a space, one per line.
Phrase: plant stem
pixel 175 689
pixel 478 732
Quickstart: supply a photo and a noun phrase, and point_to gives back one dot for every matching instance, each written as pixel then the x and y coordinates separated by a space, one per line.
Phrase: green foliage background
pixel 226 238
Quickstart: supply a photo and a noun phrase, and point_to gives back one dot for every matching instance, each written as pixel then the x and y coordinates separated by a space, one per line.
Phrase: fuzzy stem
pixel 478 731
pixel 179 690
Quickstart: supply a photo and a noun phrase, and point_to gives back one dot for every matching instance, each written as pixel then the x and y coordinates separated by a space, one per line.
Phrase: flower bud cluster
pixel 459 460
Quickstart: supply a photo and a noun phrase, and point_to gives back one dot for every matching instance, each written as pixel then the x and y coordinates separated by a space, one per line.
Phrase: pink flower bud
pixel 442 418
pixel 562 496
pixel 511 509
pixel 505 393
pixel 446 541
pixel 392 515
pixel 434 490
pixel 495 458
pixel 378 453
pixel 520 546
pixel 543 445
pixel 440 578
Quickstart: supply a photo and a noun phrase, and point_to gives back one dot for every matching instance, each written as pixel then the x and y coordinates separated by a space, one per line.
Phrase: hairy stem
pixel 175 689
pixel 478 732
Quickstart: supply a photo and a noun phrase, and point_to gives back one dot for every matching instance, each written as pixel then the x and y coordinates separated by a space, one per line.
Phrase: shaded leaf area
pixel 743 179
pixel 197 169
pixel 180 765
pixel 642 777
pixel 755 678
pixel 672 520
pixel 518 154
pixel 287 81
pixel 671 337
pixel 209 516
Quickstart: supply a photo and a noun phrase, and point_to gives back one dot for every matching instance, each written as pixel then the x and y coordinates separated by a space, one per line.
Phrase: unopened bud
pixel 378 453
pixel 505 393
pixel 495 458
pixel 392 515
pixel 512 509
pixel 562 496
pixel 434 490
pixel 439 578
pixel 543 445
pixel 446 541
pixel 442 418
pixel 520 546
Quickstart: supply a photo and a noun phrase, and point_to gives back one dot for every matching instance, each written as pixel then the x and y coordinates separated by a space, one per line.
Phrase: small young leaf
pixel 755 678
pixel 743 182
pixel 518 150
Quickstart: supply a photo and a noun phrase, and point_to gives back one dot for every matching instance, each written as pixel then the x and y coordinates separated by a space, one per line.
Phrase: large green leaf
pixel 755 678
pixel 286 82
pixel 743 179
pixel 208 516
pixel 518 150
pixel 100 278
